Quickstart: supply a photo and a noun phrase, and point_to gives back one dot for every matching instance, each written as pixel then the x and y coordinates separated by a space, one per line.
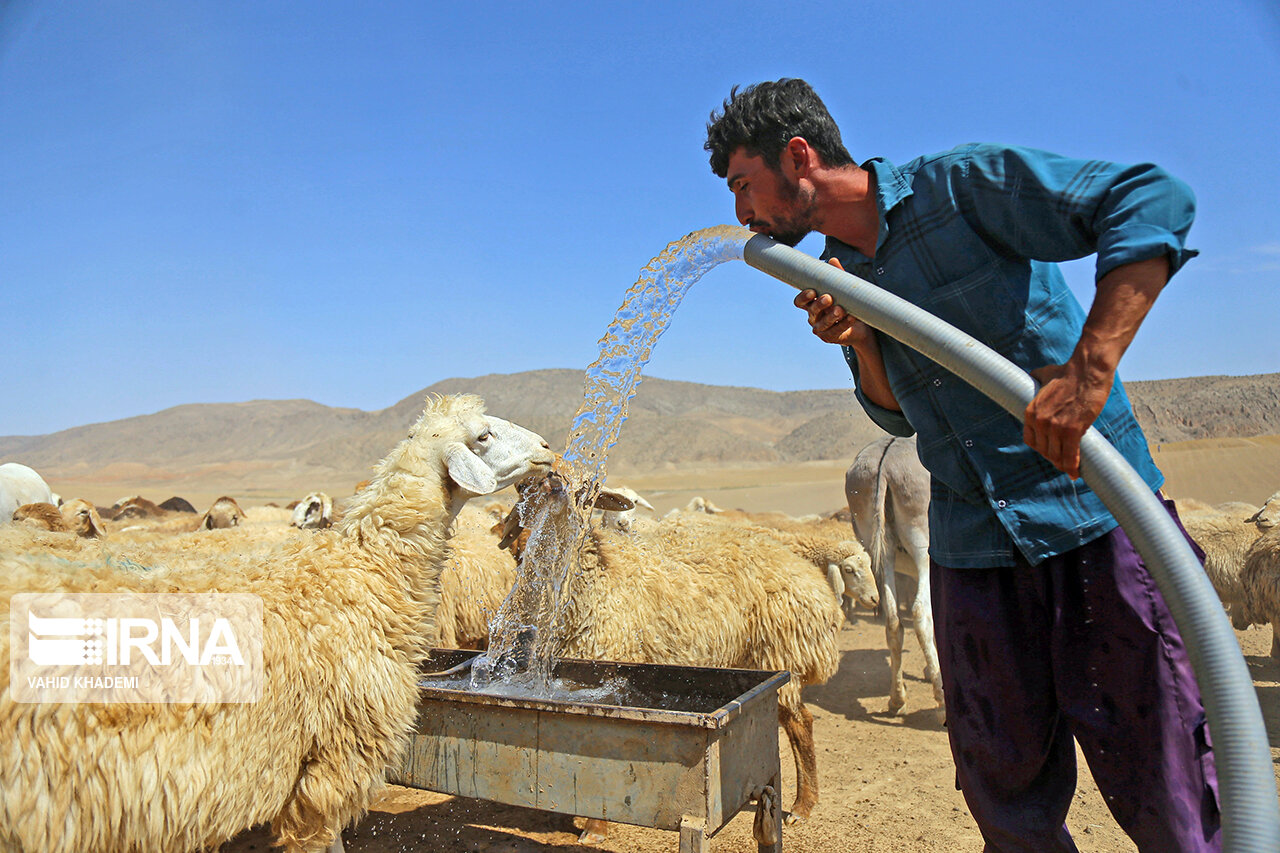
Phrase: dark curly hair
pixel 764 117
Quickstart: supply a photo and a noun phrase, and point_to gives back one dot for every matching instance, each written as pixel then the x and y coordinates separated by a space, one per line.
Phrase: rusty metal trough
pixel 680 748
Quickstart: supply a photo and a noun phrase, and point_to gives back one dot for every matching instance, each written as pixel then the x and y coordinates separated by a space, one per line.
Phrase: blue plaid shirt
pixel 972 236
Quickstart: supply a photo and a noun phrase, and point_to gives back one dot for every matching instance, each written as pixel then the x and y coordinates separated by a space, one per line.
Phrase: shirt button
pixel 1001 504
pixel 968 442
pixel 937 383
pixel 879 270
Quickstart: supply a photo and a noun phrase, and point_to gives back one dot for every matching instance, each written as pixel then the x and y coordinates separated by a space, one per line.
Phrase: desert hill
pixel 275 445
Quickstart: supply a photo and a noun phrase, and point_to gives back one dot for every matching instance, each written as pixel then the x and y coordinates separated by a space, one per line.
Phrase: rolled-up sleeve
pixel 894 423
pixel 1043 206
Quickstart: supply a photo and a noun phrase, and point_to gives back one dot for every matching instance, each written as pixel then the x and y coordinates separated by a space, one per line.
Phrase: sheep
pixel 845 563
pixel 224 512
pixel 473 585
pixel 348 614
pixel 1268 516
pixel 45 516
pixel 315 511
pixel 887 489
pixel 20 485
pixel 1225 539
pixel 77 516
pixel 1260 580
pixel 82 519
pixel 689 594
pixel 624 520
pixel 700 504
pixel 823 542
pixel 136 507
pixel 177 504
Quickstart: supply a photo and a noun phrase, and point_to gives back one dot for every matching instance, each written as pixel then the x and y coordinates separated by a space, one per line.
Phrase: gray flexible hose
pixel 1246 779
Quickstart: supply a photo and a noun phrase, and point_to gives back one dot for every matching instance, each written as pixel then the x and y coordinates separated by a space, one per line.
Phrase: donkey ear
pixel 468 470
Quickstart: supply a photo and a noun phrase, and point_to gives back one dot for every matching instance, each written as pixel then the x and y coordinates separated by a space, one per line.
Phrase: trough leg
pixel 767 828
pixel 693 835
pixel 336 846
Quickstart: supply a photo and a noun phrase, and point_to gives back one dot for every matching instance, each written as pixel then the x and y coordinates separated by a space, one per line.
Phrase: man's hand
pixel 829 321
pixel 1062 411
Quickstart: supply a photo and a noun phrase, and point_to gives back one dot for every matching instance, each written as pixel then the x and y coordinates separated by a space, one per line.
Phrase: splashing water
pixel 525 634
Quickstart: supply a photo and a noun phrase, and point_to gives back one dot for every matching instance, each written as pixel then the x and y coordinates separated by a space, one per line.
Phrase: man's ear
pixel 797 158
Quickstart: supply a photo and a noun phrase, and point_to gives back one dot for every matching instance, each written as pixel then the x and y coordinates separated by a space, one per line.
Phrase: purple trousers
pixel 1078 648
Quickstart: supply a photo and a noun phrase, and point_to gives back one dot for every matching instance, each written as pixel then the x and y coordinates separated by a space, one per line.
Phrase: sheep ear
pixel 511 528
pixel 611 501
pixel 469 471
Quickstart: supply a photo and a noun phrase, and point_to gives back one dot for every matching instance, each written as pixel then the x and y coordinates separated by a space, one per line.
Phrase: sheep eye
pixel 485 436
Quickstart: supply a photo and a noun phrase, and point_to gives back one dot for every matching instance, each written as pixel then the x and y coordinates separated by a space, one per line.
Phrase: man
pixel 1049 627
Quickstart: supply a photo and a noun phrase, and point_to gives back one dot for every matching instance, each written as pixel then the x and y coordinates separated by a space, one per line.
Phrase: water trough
pixel 671 747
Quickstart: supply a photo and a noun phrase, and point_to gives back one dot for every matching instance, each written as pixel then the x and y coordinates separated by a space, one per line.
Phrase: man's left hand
pixel 1063 409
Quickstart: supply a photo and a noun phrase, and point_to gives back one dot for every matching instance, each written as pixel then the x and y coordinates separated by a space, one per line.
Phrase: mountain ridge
pixel 670 423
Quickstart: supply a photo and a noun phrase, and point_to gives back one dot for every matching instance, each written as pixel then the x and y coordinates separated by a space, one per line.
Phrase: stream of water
pixel 525 636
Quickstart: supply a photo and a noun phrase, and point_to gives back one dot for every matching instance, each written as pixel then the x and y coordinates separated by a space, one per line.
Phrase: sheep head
pixel 224 513
pixel 82 519
pixel 313 511
pixel 553 486
pixel 476 453
pixel 1269 516
pixel 858 582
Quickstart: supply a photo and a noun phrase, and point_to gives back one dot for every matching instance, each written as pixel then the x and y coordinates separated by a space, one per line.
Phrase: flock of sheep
pixel 354 595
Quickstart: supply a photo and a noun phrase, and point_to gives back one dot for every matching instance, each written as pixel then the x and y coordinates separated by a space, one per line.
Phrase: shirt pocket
pixel 986 303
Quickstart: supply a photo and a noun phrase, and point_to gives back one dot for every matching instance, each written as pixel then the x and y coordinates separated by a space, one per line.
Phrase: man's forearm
pixel 871 375
pixel 1123 299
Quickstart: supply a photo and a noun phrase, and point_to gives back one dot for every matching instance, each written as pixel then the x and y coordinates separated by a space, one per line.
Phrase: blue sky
pixel 218 201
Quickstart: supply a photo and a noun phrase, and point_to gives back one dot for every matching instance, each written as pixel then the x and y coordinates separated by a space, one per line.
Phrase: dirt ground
pixel 887 783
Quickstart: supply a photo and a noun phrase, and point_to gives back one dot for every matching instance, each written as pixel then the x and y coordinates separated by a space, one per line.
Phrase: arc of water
pixel 533 607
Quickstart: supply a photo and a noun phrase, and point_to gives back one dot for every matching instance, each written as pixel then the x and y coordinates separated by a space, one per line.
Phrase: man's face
pixel 767 202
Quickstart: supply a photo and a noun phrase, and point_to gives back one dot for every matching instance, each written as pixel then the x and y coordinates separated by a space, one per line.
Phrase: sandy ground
pixel 887 783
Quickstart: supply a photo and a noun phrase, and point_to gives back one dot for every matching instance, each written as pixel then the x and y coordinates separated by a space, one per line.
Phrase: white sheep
pixel 473 585
pixel 1268 516
pixel 348 614
pixel 698 503
pixel 1225 538
pixel 692 593
pixel 313 512
pixel 823 542
pixel 224 512
pixel 624 519
pixel 20 485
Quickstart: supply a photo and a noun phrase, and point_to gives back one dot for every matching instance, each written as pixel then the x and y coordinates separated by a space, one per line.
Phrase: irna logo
pixel 55 641
pixel 133 647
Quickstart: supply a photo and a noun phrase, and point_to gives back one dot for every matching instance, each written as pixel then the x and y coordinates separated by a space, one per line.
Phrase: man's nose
pixel 743 211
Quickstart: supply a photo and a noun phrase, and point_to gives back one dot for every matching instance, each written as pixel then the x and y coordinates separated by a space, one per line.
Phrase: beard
pixel 797 223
